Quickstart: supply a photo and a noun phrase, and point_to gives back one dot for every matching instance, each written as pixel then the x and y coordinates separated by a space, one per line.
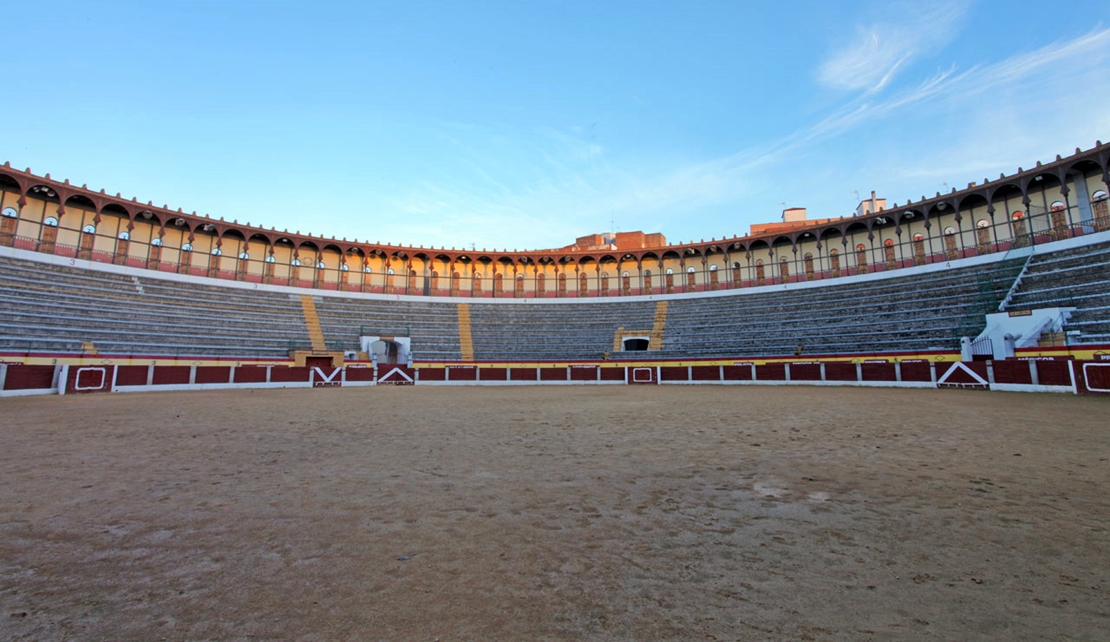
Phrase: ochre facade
pixel 1064 198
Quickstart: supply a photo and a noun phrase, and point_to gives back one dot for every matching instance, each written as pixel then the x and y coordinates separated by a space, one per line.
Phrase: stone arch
pixel 1100 210
pixel 859 236
pixel 606 265
pixel 714 259
pixel 236 255
pixel 668 262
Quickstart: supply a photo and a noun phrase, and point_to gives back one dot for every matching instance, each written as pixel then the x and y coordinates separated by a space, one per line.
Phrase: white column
pixel 62 377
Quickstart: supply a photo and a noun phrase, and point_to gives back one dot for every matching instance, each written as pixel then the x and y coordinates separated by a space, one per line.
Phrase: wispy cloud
pixel 879 50
pixel 1079 81
pixel 1094 46
pixel 1027 107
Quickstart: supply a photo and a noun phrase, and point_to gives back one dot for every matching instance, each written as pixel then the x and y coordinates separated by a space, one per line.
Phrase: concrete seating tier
pixel 1079 278
pixel 555 332
pixel 50 308
pixel 432 325
pixel 923 312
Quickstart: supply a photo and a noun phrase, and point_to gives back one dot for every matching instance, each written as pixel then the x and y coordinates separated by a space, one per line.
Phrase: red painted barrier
pixel 1092 377
pixel 250 374
pixel 433 374
pixel 553 374
pixel 21 377
pixel 1054 373
pixel 328 376
pixel 705 373
pixel 396 375
pixel 521 374
pixel 494 374
pixel 771 372
pixel 805 372
pixel 612 374
pixel 85 379
pixel 916 371
pixel 738 373
pixel 131 375
pixel 878 372
pixel 966 374
pixel 213 374
pixel 840 371
pixel 284 374
pixel 359 373
pixel 978 367
pixel 462 373
pixel 583 373
pixel 1012 371
pixel 674 373
pixel 166 375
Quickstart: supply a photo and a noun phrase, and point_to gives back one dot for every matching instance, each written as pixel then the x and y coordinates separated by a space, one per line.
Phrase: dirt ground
pixel 583 512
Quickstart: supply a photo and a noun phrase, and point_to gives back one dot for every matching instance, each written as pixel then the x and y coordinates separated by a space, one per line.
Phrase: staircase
pixel 989 299
pixel 1017 283
pixel 466 341
pixel 312 323
pixel 656 342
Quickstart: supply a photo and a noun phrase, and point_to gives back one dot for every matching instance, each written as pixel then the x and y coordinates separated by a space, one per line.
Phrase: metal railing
pixel 858 251
pixel 379 331
pixel 333 345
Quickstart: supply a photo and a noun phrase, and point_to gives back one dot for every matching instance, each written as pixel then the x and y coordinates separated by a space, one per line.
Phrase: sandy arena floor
pixel 611 512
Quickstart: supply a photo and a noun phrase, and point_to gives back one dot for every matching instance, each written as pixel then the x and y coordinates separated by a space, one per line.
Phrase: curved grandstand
pixel 1008 276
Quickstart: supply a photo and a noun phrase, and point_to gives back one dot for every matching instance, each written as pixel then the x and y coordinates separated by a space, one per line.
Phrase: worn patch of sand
pixel 555 512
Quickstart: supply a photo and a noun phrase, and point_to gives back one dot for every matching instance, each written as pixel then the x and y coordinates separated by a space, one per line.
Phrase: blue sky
pixel 526 124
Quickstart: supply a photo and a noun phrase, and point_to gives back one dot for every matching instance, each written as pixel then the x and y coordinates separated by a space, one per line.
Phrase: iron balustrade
pixel 720 271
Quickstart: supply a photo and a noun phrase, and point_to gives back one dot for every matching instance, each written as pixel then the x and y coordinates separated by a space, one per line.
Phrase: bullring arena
pixel 890 425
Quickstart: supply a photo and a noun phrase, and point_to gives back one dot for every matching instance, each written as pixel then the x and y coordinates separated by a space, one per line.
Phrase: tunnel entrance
pixel 635 344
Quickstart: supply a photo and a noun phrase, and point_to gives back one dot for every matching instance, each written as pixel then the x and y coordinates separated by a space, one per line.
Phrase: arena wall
pixel 1018 375
pixel 1052 208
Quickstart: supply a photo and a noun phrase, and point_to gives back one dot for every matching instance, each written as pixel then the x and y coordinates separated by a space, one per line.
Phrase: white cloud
pixel 878 51
pixel 1058 88
pixel 1028 107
